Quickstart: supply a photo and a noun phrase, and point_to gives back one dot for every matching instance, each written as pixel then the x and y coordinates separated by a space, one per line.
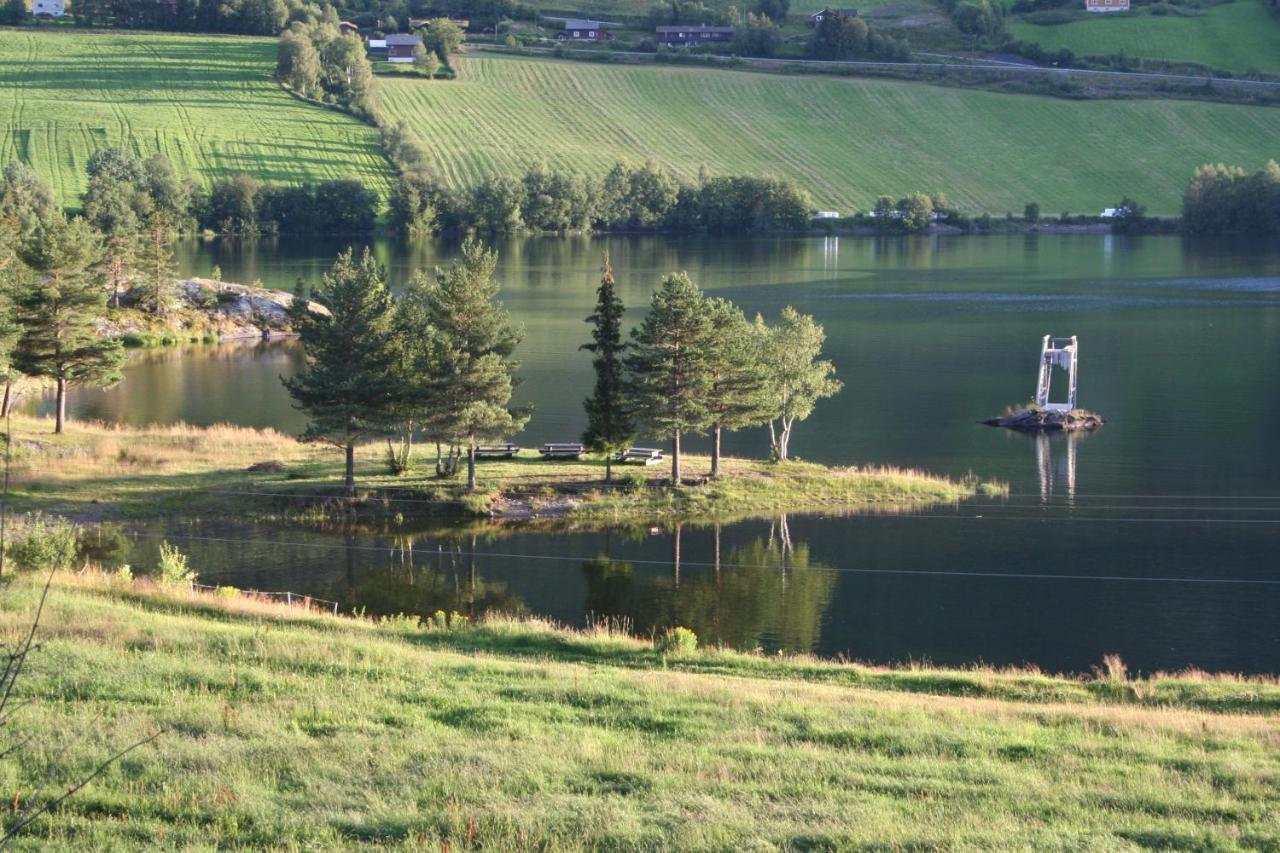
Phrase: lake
pixel 1155 538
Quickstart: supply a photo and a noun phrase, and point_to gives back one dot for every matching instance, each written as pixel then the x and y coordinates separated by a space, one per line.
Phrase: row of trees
pixel 318 60
pixel 1223 199
pixel 251 17
pixel 646 197
pixel 437 364
pixel 844 37
pixel 698 365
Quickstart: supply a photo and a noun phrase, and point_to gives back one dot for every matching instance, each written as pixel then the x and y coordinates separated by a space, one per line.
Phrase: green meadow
pixel 207 102
pixel 281 731
pixel 1238 36
pixel 846 140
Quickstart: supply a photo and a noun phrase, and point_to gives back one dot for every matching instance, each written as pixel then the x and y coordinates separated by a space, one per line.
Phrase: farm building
pixel 48 8
pixel 400 47
pixel 680 36
pixel 820 16
pixel 377 47
pixel 1106 5
pixel 578 30
pixel 348 27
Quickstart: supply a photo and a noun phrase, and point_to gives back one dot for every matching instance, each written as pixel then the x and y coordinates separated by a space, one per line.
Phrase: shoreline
pixel 110 473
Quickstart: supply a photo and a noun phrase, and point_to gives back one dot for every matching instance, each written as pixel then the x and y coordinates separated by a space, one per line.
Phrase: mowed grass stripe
pixel 207 102
pixel 845 140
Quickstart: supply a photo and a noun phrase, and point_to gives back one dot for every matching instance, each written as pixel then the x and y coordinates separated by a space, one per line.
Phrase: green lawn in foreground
pixel 320 733
pixel 207 102
pixel 1237 36
pixel 845 140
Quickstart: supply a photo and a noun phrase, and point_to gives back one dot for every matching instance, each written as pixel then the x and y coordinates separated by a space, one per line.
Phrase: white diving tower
pixel 1063 353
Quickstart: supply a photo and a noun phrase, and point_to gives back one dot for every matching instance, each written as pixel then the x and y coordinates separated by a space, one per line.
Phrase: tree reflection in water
pixel 767 594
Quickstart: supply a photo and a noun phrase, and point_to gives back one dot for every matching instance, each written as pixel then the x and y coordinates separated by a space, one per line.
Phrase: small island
pixel 1035 419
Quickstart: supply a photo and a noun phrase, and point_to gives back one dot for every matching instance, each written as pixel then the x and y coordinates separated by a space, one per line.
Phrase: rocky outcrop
pixel 1040 420
pixel 210 308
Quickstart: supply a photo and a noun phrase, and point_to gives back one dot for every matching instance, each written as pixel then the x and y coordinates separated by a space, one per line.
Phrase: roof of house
pixel 576 24
pixel 403 40
pixel 695 28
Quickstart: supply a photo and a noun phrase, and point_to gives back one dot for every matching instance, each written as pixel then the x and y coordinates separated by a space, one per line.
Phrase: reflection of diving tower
pixel 1057 352
pixel 1057 476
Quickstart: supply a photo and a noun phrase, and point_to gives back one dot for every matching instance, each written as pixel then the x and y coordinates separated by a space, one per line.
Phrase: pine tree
pixel 115 270
pixel 739 378
pixel 156 267
pixel 346 385
pixel 475 340
pixel 668 377
pixel 610 423
pixel 59 313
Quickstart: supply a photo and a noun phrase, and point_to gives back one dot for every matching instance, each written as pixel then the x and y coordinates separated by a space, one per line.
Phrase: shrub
pixel 174 567
pixel 44 543
pixel 677 641
pixel 441 621
pixel 227 592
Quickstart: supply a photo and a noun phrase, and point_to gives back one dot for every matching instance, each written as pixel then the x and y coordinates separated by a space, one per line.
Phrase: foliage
pixel 347 380
pixel 798 376
pixel 156 267
pixel 610 421
pixel 738 396
pixel 58 314
pixel 669 383
pixel 444 37
pixel 1223 199
pixel 758 36
pixel 843 37
pixel 676 641
pixel 43 543
pixel 425 61
pixel 174 567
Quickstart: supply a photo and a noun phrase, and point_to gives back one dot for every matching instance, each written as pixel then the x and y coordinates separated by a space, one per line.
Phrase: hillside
pixel 1238 36
pixel 280 730
pixel 846 140
pixel 207 102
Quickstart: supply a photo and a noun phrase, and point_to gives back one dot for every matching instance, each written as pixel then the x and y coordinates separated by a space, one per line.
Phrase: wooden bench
pixel 645 455
pixel 561 451
pixel 497 451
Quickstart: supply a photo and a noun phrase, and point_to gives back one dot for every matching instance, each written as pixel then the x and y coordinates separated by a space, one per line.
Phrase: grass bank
pixel 101 472
pixel 295 732
pixel 845 140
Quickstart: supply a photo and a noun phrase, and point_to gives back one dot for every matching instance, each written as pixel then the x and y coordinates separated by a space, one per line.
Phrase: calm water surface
pixel 1155 538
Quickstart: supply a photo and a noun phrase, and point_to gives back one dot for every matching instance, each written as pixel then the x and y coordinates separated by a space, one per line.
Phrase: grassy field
pixel 99 472
pixel 311 732
pixel 207 102
pixel 847 141
pixel 1238 36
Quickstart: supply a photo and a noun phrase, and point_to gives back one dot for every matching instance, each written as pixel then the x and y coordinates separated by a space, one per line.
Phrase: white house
pixel 1106 5
pixel 48 8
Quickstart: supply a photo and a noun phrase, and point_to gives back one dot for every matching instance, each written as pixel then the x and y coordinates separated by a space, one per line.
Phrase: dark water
pixel 1155 538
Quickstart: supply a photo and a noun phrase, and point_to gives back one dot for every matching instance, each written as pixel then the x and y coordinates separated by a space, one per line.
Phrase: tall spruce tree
pixel 610 424
pixel 475 341
pixel 739 378
pixel 347 383
pixel 798 376
pixel 59 312
pixel 669 380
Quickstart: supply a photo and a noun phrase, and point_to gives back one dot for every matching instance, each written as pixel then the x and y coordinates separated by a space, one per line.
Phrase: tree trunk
pixel 675 459
pixel 784 440
pixel 773 440
pixel 471 466
pixel 8 400
pixel 675 556
pixel 61 417
pixel 350 479
pixel 715 452
pixel 608 466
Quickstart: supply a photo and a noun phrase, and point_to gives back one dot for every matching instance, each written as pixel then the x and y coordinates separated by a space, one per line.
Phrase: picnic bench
pixel 497 451
pixel 645 455
pixel 561 450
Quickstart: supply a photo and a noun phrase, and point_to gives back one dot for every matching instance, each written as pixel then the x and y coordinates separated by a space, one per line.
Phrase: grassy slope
pixel 1238 36
pixel 316 732
pixel 845 140
pixel 95 471
pixel 206 102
